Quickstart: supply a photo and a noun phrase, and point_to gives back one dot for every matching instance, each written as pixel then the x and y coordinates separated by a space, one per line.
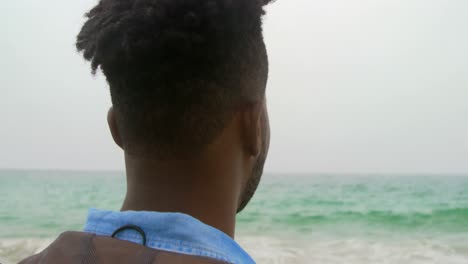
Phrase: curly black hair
pixel 177 69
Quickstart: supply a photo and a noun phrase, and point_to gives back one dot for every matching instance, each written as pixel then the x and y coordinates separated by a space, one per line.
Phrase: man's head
pixel 179 71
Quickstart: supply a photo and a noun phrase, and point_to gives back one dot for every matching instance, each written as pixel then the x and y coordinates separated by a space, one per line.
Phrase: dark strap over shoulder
pixel 86 248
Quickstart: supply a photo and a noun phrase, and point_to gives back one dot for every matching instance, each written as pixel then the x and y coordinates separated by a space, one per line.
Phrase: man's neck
pixel 208 191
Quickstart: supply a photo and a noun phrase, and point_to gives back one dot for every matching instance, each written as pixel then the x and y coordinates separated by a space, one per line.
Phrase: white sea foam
pixel 359 251
pixel 13 250
pixel 272 250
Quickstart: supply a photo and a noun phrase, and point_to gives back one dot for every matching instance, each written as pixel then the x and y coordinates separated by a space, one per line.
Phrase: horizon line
pixel 317 173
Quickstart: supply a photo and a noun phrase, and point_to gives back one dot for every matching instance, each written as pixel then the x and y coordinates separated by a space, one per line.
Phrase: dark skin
pixel 209 185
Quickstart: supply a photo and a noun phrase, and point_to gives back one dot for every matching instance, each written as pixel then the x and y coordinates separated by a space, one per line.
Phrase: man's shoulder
pixel 82 247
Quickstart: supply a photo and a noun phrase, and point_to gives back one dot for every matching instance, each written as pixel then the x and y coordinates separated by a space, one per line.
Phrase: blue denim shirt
pixel 174 232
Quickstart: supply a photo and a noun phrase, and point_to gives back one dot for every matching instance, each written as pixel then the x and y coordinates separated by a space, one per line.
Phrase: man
pixel 187 80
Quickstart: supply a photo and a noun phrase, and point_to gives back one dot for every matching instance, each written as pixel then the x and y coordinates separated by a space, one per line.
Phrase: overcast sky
pixel 355 86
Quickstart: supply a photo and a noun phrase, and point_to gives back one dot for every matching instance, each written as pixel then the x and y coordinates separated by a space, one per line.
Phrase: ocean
pixel 303 218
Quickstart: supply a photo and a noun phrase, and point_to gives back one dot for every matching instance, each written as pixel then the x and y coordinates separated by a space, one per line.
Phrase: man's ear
pixel 112 122
pixel 252 128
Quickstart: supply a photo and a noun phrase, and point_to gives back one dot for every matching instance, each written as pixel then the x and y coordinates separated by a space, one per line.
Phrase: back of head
pixel 177 69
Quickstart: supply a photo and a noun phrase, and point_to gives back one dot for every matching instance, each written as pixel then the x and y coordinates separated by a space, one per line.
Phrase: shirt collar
pixel 175 232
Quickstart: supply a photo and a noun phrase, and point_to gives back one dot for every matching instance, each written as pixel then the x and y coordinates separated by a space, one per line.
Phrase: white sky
pixel 355 86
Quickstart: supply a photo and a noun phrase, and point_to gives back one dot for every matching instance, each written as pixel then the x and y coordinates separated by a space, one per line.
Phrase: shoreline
pixel 276 250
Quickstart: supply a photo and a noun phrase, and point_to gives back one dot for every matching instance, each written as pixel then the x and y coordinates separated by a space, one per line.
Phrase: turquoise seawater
pixel 292 218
